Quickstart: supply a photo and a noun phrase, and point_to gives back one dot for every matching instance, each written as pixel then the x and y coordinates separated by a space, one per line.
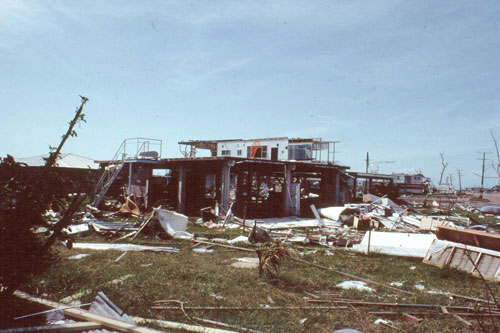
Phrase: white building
pixel 279 149
pixel 410 178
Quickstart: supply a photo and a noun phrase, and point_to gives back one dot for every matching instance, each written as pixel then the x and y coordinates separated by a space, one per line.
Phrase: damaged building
pixel 258 178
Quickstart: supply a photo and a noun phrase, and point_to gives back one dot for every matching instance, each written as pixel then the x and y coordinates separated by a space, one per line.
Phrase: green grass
pixel 192 278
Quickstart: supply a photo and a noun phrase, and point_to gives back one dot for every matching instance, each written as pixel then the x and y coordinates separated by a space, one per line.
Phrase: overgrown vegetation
pixel 25 195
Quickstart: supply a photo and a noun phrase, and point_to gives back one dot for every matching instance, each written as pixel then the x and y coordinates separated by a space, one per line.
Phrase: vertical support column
pixel 327 187
pixel 181 192
pixel 285 194
pixel 355 188
pixel 129 189
pixel 148 187
pixel 337 188
pixel 226 183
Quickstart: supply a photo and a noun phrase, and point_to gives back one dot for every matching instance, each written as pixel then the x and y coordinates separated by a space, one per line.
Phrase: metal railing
pixel 142 151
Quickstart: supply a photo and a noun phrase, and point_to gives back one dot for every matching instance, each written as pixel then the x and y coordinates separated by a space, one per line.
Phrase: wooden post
pixel 285 193
pixel 337 188
pixel 181 193
pixel 226 183
pixel 369 240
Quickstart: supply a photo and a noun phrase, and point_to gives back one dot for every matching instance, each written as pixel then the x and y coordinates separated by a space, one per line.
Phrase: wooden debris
pixel 466 323
pixel 412 319
pixel 226 246
pixel 179 326
pixel 396 305
pixel 121 256
pixel 86 315
pixel 243 308
pixel 51 310
pixel 217 323
pixel 145 223
pixel 68 327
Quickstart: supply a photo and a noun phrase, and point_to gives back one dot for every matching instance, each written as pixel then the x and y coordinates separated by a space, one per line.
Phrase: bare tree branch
pixel 444 165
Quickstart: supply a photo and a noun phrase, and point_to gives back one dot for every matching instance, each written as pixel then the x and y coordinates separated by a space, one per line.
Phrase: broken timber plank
pixel 218 323
pixel 411 319
pixel 227 246
pixel 394 305
pixel 86 315
pixel 144 225
pixel 242 308
pixel 466 323
pixel 69 327
pixel 180 326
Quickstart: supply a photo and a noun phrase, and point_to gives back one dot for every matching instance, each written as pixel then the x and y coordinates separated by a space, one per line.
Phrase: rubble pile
pixel 441 237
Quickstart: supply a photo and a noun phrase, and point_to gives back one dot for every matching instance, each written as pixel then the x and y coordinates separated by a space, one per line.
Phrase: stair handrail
pixel 107 171
pixel 119 159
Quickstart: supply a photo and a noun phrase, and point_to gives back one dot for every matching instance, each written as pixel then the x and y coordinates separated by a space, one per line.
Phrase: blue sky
pixel 402 80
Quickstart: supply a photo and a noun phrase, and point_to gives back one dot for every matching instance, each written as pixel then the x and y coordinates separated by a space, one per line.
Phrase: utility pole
pixel 367 161
pixel 451 179
pixel 459 180
pixel 482 175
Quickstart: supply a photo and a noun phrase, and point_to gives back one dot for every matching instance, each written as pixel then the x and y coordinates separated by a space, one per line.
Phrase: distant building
pixel 445 189
pixel 411 183
pixel 67 160
pixel 81 170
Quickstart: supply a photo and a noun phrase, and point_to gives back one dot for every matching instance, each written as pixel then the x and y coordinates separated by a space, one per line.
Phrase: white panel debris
pixel 79 256
pixel 396 243
pixel 246 262
pixel 77 228
pixel 359 285
pixel 124 247
pixel 174 224
pixel 333 213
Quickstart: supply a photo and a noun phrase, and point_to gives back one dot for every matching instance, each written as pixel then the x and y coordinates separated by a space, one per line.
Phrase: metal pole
pixel 459 181
pixel 369 239
pixel 482 176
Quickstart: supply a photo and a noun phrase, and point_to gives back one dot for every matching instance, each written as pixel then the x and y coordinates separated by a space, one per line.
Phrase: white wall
pixel 234 146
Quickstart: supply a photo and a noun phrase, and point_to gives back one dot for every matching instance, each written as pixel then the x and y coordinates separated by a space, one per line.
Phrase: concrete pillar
pixel 285 194
pixel 226 183
pixel 181 193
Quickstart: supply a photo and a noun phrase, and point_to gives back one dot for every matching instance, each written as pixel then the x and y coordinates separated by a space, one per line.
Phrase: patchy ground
pixel 300 299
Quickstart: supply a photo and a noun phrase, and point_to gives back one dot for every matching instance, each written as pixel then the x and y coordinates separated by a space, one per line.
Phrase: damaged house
pixel 258 178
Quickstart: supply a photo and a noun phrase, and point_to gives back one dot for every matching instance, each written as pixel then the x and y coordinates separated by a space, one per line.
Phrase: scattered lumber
pixel 243 308
pixel 86 315
pixel 145 223
pixel 222 245
pixel 69 327
pixel 179 326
